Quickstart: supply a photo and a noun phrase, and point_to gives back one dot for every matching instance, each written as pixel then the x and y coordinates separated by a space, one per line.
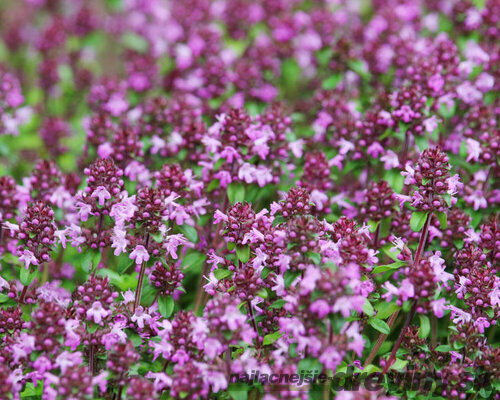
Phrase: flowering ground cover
pixel 249 199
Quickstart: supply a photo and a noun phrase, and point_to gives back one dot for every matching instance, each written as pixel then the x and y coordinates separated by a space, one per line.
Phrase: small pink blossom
pixel 139 254
pixel 97 312
pixel 28 258
pixel 102 194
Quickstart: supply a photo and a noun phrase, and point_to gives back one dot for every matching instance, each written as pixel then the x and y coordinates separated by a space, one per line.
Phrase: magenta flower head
pixel 8 198
pixel 435 186
pixel 296 202
pixel 166 279
pixel 104 185
pixel 45 179
pixel 239 222
pixel 379 202
pixel 36 233
pixel 150 210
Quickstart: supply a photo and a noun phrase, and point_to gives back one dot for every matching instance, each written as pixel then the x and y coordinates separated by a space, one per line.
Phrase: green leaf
pixel 388 267
pixel 399 364
pixel 332 82
pixel 444 348
pixel 379 325
pixel 372 226
pixel 221 273
pixel 26 276
pixel 278 220
pixel 213 185
pixel 272 337
pixel 31 390
pixel 194 260
pixel 360 67
pixel 190 232
pixel 243 253
pixel 278 304
pixel 92 328
pixel 3 298
pixel 443 219
pixel 425 327
pixel 166 306
pixel 309 365
pixel 124 264
pixel 87 261
pixel 235 192
pixel 135 42
pixel 386 248
pixel 447 199
pixel 289 277
pixel 238 391
pixel 417 220
pixel 315 257
pixel 385 309
pixel 90 260
pixel 368 308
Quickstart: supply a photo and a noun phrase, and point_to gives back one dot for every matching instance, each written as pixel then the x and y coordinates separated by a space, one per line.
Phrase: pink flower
pixel 406 290
pixel 409 174
pixel 320 307
pixel 438 307
pixel 105 150
pixel 346 304
pixel 211 286
pixel 174 241
pixel 67 359
pixel 319 199
pixel 375 149
pixel 233 317
pixel 331 358
pixel 97 312
pixel 219 217
pixel 459 316
pixel 260 260
pixel 116 105
pixel 356 343
pixel 140 316
pixel 477 199
pixel 163 348
pixel 139 254
pixel 212 348
pixel 308 283
pixel 120 241
pixel 102 194
pixel 345 146
pixel 461 288
pixel 84 210
pixel 296 147
pixel 430 124
pixel 128 296
pixel 402 199
pixel 481 323
pixel 28 258
pixel 390 160
pixel 101 381
pixel 436 82
pixel 473 150
pixel 439 266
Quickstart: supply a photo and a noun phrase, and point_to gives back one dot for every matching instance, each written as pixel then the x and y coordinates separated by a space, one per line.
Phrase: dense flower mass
pixel 235 199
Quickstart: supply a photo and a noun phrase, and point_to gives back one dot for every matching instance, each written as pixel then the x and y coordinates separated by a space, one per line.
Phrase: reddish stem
pixel 140 281
pixel 381 339
pixel 23 294
pixel 392 357
pixel 423 238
